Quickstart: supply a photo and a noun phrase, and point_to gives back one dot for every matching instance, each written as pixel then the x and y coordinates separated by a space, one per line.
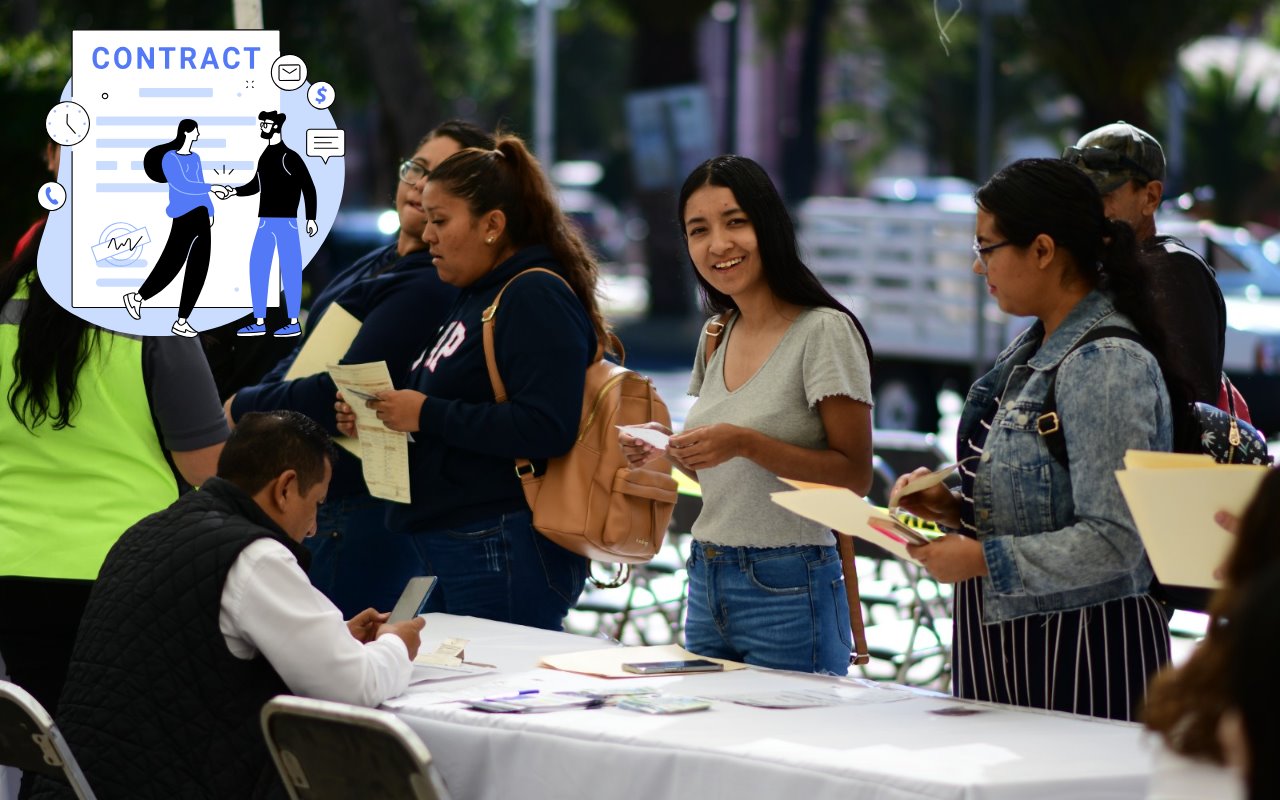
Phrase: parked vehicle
pixel 906 271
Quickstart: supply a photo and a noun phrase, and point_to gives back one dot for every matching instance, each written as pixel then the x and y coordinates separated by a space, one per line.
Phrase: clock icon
pixel 67 123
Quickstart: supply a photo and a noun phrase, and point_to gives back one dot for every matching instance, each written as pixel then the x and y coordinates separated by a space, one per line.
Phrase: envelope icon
pixel 290 72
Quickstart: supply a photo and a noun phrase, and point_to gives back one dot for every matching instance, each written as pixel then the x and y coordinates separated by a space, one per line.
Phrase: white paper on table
pixel 428 673
pixel 812 698
pixel 1173 509
pixel 658 439
pixel 607 662
pixel 384 453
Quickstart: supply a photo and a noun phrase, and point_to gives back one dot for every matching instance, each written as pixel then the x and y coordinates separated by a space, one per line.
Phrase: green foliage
pixel 1110 54
pixel 1231 145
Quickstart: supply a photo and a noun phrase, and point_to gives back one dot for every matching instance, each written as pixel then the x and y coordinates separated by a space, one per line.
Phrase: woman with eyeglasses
pixel 400 300
pixel 1052 603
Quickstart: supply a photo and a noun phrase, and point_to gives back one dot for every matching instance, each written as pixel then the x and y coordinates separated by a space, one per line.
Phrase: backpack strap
pixel 1049 424
pixel 714 328
pixel 524 467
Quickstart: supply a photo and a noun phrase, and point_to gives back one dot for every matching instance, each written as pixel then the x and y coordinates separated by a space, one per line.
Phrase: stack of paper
pixel 1173 498
pixel 845 512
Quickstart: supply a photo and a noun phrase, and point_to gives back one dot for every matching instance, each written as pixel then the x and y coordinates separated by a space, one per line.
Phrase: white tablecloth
pixel 889 751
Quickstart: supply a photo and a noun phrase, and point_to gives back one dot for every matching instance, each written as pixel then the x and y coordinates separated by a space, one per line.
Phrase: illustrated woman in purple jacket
pixel 189 239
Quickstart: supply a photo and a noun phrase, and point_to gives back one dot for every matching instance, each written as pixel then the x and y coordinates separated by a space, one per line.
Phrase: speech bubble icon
pixel 325 143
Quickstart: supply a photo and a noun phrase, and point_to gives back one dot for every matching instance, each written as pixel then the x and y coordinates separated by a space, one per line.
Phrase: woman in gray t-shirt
pixel 785 394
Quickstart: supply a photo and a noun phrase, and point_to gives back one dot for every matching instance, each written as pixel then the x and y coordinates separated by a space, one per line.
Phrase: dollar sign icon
pixel 321 95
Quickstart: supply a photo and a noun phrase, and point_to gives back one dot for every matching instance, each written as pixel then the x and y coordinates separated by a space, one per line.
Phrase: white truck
pixel 906 270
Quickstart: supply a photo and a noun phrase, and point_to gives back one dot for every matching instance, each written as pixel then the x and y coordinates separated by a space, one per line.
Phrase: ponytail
pixel 508 178
pixel 152 161
pixel 1123 275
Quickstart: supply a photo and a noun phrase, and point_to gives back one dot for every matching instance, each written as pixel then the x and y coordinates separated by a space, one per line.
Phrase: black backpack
pixel 1197 428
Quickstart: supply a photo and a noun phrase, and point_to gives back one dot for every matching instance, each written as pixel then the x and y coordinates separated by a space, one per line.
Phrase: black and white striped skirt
pixel 1094 661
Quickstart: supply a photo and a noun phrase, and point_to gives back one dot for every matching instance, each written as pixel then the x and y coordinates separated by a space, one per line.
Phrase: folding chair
pixel 334 751
pixel 31 742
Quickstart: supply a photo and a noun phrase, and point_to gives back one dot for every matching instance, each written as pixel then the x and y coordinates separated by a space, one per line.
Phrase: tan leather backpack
pixel 589 501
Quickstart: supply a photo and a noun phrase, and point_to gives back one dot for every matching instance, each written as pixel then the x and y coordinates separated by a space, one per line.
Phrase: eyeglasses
pixel 980 252
pixel 411 172
pixel 1100 159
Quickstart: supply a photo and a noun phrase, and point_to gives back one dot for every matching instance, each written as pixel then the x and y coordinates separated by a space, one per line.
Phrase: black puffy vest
pixel 155 705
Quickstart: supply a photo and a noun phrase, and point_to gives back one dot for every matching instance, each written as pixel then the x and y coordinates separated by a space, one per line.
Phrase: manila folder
pixel 1174 510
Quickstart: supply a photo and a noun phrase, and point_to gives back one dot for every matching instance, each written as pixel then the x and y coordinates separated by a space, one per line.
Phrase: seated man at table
pixel 202 612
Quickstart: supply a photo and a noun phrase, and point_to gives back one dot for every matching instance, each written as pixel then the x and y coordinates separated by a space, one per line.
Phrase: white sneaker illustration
pixel 183 328
pixel 133 304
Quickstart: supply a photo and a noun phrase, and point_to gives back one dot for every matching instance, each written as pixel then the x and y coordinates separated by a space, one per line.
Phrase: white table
pixel 890 751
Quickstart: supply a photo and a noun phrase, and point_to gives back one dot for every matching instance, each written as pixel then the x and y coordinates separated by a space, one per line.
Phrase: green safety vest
pixel 67 495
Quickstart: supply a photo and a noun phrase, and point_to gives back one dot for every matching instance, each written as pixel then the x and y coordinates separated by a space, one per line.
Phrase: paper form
pixel 384 453
pixel 847 513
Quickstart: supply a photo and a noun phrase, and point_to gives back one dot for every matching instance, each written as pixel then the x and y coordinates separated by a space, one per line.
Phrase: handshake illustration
pixel 222 192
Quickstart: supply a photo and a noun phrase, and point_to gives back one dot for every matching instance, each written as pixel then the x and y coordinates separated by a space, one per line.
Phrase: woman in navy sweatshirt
pixel 492 214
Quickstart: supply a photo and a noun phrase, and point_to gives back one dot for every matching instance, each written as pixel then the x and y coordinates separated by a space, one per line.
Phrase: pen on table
pixel 526 691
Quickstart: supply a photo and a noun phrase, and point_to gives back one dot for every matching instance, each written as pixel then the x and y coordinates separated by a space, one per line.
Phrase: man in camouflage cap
pixel 1127 165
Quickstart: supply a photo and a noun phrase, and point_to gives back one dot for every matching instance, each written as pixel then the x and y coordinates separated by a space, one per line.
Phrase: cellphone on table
pixel 413 598
pixel 661 667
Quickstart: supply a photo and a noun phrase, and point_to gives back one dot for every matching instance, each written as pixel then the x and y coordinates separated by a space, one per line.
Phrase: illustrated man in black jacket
pixel 282 179
pixel 1127 165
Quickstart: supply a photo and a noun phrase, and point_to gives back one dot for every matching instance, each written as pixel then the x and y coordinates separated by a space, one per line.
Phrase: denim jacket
pixel 1054 538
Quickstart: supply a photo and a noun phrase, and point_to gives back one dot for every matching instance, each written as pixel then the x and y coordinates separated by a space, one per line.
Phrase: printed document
pixel 383 452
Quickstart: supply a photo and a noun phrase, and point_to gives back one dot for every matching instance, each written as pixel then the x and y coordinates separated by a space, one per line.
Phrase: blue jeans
pixel 355 560
pixel 502 569
pixel 276 234
pixel 779 607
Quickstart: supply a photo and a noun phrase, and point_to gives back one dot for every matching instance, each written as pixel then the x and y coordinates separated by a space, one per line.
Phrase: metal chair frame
pixel 424 779
pixel 34 744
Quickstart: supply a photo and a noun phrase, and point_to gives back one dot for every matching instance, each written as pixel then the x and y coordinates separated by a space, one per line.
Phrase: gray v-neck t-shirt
pixel 820 355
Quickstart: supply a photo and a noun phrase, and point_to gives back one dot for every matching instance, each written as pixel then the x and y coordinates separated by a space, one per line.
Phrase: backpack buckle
pixel 520 474
pixel 1047 424
pixel 715 328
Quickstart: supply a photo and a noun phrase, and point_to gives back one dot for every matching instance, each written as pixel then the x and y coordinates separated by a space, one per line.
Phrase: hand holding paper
pixel 643 443
pixel 845 512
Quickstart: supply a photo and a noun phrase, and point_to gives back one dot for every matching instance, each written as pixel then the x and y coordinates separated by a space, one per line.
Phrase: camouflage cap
pixel 1117 153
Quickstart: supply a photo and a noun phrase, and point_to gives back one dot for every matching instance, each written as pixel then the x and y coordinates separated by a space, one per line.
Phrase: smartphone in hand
pixel 413 599
pixel 673 667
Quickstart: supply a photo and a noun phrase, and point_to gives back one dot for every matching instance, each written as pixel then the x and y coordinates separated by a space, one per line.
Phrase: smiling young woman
pixel 786 394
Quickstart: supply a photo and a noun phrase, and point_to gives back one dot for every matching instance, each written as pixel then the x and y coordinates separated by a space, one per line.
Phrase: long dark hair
pixel 52 347
pixel 787 275
pixel 1251 683
pixel 151 161
pixel 1050 196
pixel 1185 704
pixel 509 178
pixel 464 133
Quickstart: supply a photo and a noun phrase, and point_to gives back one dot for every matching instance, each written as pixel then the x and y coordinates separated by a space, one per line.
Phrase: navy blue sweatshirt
pixel 401 310
pixel 461 465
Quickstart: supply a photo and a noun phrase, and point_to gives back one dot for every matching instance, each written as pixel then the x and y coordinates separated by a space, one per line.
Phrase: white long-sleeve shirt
pixel 269 606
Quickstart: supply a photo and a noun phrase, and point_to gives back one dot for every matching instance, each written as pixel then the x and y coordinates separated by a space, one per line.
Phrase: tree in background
pixel 1112 55
pixel 1231 146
